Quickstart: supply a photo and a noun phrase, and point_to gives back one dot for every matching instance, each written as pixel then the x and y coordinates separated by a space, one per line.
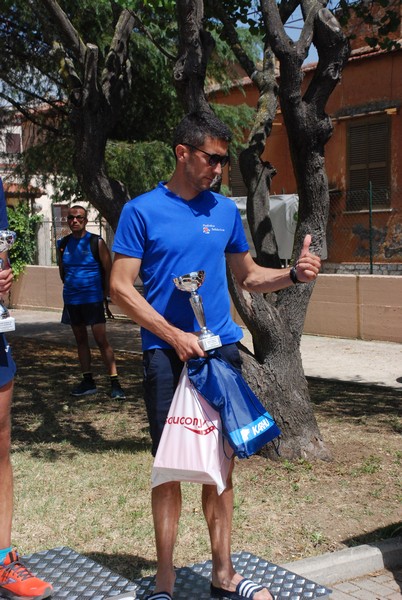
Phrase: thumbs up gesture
pixel 308 264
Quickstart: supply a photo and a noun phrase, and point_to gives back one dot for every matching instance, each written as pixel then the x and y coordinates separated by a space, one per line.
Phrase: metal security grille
pixel 76 577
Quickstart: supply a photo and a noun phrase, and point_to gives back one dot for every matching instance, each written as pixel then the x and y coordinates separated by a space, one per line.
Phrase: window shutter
pixel 368 158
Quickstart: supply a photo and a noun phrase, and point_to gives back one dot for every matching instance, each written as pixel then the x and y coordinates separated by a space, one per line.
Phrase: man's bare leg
pixel 166 509
pixel 6 473
pixel 84 352
pixel 218 511
pixel 106 350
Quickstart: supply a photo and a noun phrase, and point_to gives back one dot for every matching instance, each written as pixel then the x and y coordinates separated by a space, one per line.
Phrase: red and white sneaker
pixel 18 583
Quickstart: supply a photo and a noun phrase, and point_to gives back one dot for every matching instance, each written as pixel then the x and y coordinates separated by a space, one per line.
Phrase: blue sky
pixel 293 29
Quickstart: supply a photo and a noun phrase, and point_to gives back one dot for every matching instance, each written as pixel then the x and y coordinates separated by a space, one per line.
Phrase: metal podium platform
pixel 76 577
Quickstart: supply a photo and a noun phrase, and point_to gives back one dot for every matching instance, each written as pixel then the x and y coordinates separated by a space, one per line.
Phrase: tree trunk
pixel 275 372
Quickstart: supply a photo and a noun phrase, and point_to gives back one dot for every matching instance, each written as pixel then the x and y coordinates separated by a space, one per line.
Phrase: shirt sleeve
pixel 131 232
pixel 238 241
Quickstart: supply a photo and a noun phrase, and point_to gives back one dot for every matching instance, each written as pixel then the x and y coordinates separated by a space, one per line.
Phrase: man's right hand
pixel 186 346
pixel 6 279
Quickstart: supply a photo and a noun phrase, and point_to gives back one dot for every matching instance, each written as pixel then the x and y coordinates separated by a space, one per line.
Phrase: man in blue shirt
pixel 16 581
pixel 180 227
pixel 86 281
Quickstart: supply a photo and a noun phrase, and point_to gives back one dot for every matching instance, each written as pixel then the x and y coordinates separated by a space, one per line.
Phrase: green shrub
pixel 140 165
pixel 25 225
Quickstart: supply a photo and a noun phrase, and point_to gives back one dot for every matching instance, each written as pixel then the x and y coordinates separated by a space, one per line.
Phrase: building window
pixel 13 143
pixel 368 164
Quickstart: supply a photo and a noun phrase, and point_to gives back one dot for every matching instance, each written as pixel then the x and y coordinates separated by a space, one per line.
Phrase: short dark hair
pixel 81 207
pixel 195 127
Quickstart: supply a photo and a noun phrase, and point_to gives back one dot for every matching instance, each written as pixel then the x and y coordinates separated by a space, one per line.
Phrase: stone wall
pixel 367 307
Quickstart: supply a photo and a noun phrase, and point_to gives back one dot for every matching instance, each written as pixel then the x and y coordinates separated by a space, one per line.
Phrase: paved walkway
pixel 377 363
pixel 379 586
pixel 369 572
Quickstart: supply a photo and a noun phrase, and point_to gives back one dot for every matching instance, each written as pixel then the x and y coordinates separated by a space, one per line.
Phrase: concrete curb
pixel 334 567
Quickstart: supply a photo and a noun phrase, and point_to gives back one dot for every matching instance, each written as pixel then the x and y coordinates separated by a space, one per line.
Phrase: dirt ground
pixel 283 510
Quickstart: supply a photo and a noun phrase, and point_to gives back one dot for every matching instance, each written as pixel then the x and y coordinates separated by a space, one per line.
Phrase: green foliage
pixel 238 118
pixel 31 74
pixel 150 109
pixel 25 225
pixel 140 165
pixel 246 12
pixel 223 68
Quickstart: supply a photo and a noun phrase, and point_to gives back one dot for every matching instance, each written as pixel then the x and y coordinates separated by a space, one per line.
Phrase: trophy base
pixel 210 342
pixel 7 324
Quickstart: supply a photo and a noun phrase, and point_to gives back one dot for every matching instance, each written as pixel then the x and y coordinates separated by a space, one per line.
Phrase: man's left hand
pixel 109 313
pixel 308 264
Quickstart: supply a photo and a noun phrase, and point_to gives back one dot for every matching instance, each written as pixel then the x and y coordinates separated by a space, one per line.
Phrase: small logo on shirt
pixel 208 227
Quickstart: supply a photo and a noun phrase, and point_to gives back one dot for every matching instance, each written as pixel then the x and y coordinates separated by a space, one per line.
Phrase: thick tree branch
pixel 232 38
pixel 334 50
pixel 116 76
pixel 66 67
pixel 287 8
pixel 195 48
pixel 68 33
pixel 282 45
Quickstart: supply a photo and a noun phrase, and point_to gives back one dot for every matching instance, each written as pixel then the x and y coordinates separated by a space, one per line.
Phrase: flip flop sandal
pixel 159 596
pixel 244 589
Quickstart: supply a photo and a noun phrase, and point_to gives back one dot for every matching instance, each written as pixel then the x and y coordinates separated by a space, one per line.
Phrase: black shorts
pixel 162 370
pixel 83 314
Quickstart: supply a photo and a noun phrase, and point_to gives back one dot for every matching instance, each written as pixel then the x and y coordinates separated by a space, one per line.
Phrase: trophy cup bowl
pixel 7 239
pixel 190 283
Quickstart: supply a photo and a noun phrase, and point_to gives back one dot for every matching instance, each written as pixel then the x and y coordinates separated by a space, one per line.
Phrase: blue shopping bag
pixel 246 423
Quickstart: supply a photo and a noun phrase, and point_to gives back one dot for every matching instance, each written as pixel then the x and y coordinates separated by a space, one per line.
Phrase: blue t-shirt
pixel 173 237
pixel 82 272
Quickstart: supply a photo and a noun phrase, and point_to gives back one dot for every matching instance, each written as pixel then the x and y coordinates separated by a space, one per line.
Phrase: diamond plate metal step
pixel 76 577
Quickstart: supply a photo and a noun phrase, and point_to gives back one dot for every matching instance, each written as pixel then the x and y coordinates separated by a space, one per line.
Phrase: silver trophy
pixel 190 283
pixel 7 239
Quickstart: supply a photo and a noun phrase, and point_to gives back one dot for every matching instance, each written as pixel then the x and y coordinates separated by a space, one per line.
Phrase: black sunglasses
pixel 79 218
pixel 214 159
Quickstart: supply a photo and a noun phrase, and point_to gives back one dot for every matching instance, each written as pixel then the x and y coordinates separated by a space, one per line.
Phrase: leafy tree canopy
pixel 32 77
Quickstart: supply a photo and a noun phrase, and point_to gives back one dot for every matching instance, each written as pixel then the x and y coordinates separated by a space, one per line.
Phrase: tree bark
pixel 195 48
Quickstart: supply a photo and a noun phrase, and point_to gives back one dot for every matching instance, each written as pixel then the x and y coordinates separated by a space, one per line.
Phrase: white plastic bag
pixel 191 447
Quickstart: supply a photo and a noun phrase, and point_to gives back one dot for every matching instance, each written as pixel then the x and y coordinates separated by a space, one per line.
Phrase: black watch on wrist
pixel 293 275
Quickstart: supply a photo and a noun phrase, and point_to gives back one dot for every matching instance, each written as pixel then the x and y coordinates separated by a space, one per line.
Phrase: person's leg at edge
pixel 84 352
pixel 6 474
pixel 16 580
pixel 218 512
pixel 166 509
